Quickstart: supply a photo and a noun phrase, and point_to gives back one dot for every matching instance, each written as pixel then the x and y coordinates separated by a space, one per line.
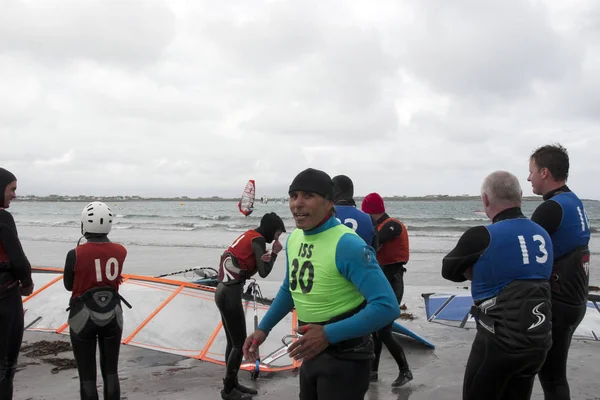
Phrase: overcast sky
pixel 412 97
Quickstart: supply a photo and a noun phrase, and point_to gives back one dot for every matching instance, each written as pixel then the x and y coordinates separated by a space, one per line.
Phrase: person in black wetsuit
pixel 392 254
pixel 15 281
pixel 244 257
pixel 509 263
pixel 563 216
pixel 93 274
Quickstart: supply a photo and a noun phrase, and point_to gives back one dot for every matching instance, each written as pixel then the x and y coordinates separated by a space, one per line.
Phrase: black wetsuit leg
pixel 385 336
pixel 395 276
pixel 229 339
pixel 84 350
pixel 553 375
pixel 492 373
pixel 328 378
pixel 229 301
pixel 109 343
pixel 108 338
pixel 11 336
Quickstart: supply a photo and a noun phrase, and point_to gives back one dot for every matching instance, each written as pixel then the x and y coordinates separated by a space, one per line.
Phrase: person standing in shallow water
pixel 246 256
pixel 93 273
pixel 325 257
pixel 563 216
pixel 15 281
pixel 509 263
pixel 392 255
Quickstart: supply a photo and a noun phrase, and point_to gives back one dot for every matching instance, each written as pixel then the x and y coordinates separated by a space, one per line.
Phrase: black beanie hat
pixel 314 181
pixel 269 224
pixel 6 177
pixel 343 189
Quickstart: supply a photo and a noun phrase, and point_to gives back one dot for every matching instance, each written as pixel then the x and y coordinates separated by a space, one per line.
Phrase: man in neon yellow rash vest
pixel 339 292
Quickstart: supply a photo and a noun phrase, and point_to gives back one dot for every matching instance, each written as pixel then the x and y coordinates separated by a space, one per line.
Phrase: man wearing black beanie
pixel 15 281
pixel 339 292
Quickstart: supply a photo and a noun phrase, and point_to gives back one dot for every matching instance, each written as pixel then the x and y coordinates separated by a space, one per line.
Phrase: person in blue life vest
pixel 563 216
pixel 347 213
pixel 15 281
pixel 509 263
pixel 392 254
pixel 325 257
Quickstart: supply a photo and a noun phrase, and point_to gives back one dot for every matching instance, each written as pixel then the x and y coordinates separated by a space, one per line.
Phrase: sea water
pixel 167 236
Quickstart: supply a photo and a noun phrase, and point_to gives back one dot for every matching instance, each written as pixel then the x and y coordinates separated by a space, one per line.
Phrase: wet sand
pixel 438 374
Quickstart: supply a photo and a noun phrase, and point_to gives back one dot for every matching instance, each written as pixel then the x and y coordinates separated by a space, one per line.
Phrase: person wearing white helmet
pixel 93 275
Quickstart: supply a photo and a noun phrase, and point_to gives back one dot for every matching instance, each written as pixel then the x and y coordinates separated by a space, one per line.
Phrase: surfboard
pixel 402 330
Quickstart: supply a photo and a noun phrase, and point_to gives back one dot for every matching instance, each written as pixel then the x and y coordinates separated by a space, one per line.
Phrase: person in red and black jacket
pixel 93 274
pixel 246 256
pixel 392 254
pixel 15 281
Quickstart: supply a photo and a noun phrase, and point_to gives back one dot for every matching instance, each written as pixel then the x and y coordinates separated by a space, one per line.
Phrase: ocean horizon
pixel 167 236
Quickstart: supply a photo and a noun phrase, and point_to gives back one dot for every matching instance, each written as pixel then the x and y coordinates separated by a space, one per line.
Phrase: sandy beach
pixel 152 250
pixel 145 373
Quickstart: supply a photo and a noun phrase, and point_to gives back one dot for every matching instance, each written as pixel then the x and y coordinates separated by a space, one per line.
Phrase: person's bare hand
pixel 252 343
pixel 266 257
pixel 311 344
pixel 277 246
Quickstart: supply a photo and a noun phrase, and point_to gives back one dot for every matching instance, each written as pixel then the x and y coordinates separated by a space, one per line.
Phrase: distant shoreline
pixel 113 199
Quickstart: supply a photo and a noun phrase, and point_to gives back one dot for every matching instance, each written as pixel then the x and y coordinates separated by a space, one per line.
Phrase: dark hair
pixel 555 158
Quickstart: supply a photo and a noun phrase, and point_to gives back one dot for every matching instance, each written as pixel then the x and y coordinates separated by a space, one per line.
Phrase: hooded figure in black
pixel 15 281
pixel 270 223
pixel 246 256
pixel 343 191
pixel 365 226
pixel 346 211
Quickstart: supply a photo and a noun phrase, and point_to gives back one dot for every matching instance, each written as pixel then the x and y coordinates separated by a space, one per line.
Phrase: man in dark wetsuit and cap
pixel 339 292
pixel 347 213
pixel 15 281
pixel 246 256
pixel 509 263
pixel 563 216
pixel 392 254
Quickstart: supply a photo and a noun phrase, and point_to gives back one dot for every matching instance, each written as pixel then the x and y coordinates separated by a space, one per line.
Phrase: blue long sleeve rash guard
pixel 381 309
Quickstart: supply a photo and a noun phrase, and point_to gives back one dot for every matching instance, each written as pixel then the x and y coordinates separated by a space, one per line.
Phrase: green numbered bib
pixel 319 291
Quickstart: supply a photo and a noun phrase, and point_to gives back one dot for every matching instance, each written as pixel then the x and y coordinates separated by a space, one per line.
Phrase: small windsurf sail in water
pixel 455 310
pixel 246 203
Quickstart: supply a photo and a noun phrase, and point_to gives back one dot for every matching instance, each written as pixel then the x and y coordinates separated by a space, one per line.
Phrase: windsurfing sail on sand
pixel 246 203
pixel 170 316
pixel 455 310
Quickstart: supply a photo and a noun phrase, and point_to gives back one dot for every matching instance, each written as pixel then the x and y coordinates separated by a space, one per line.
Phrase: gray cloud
pixel 121 32
pixel 488 49
pixel 175 98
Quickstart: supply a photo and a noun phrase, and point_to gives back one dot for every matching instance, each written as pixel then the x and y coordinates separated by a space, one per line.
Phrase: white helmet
pixel 96 218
